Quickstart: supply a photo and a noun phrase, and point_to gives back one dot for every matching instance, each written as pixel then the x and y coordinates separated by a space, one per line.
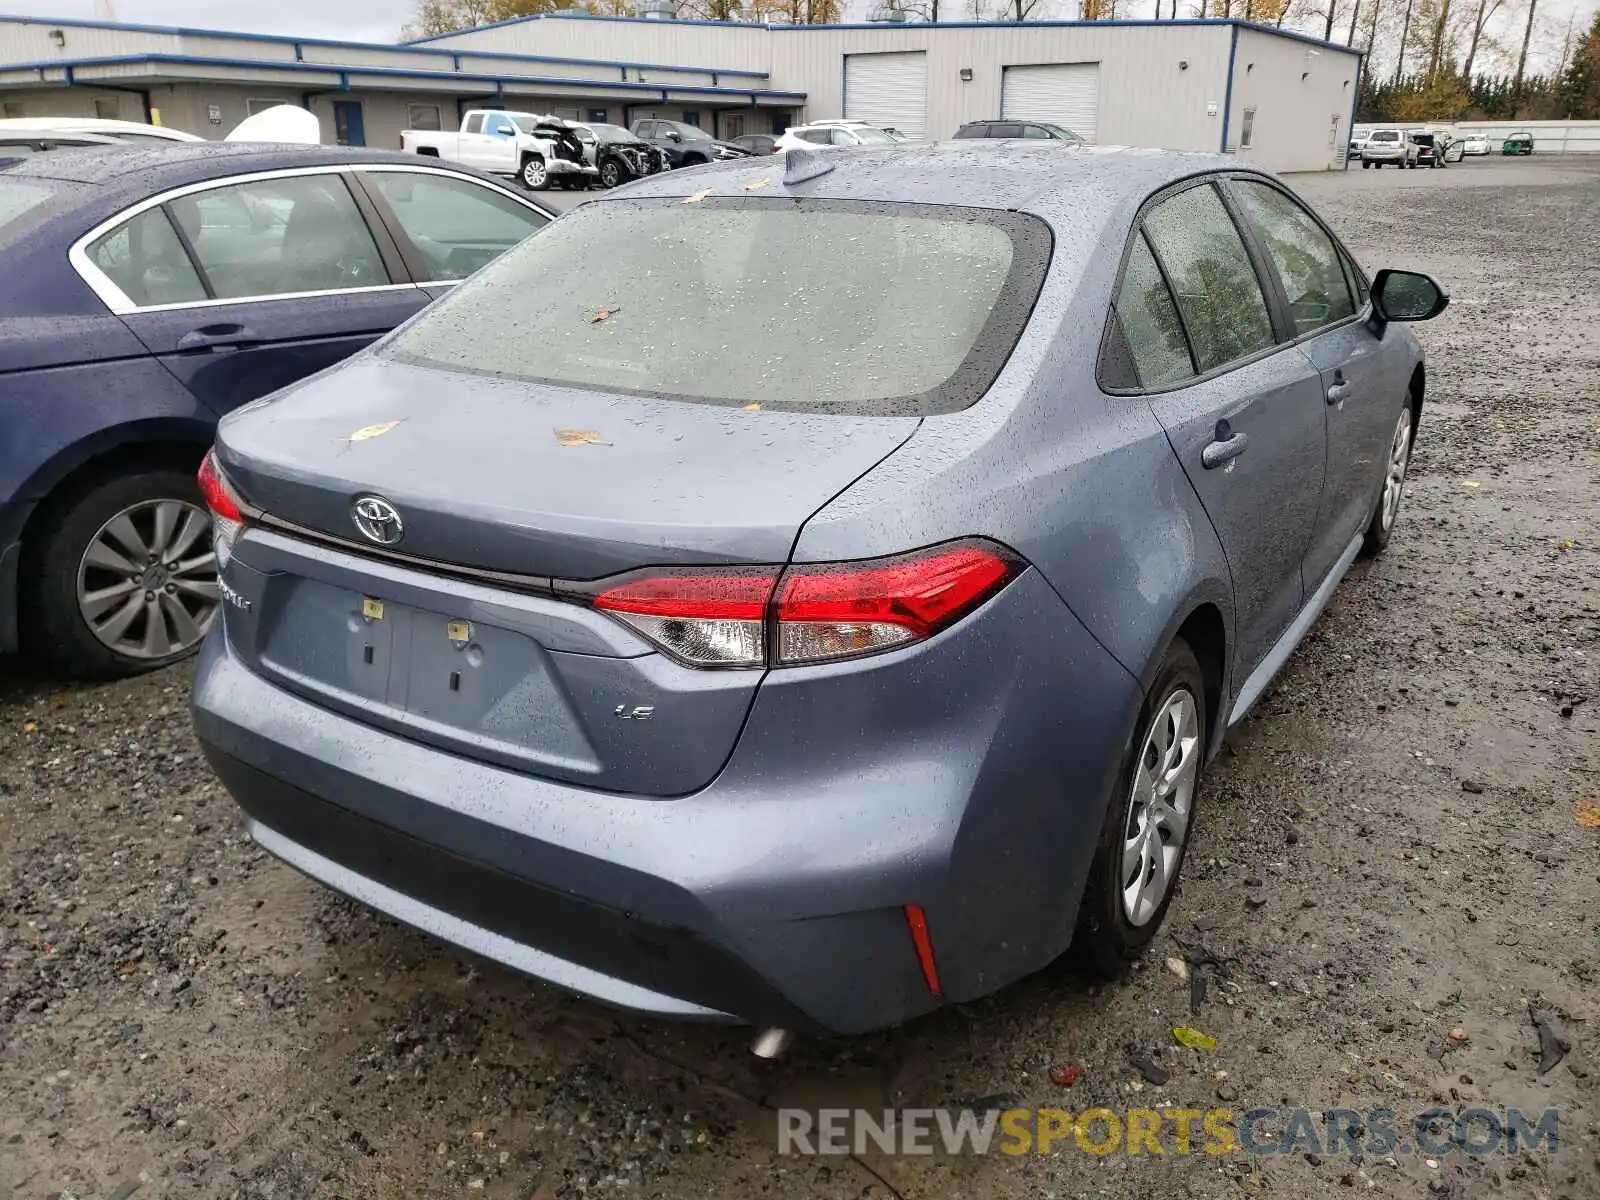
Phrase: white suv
pixel 1389 146
pixel 832 133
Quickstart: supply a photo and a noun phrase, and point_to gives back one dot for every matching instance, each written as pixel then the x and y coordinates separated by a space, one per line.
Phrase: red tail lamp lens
pixel 821 613
pixel 218 496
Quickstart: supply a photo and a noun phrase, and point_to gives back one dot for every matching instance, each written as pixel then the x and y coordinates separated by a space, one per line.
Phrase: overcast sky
pixel 380 20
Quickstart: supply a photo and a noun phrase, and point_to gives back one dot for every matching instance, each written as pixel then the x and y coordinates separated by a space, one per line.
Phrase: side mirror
pixel 1408 296
pixel 674 136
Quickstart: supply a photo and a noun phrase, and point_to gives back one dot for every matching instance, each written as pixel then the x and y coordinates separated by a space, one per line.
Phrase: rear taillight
pixel 227 516
pixel 810 613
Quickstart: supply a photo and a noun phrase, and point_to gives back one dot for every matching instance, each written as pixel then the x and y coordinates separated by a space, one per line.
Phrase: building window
pixel 107 108
pixel 423 116
pixel 1247 129
pixel 261 104
pixel 692 118
pixel 598 116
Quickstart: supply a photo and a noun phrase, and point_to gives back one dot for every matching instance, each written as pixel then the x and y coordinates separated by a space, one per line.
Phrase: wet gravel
pixel 1392 880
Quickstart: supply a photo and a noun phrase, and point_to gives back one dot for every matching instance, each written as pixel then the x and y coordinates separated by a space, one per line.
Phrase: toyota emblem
pixel 377 519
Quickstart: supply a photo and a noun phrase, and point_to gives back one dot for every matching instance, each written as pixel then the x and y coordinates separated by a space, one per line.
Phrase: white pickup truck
pixel 538 150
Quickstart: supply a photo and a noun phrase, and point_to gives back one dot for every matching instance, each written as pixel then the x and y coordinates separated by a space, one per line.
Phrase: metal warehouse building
pixel 1277 98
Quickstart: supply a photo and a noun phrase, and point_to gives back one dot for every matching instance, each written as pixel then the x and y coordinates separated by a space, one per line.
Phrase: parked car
pixel 617 154
pixel 834 133
pixel 144 292
pixel 1035 130
pixel 1517 144
pixel 122 131
pixel 721 675
pixel 1430 147
pixel 536 150
pixel 1358 139
pixel 20 144
pixel 1475 144
pixel 685 145
pixel 1389 147
pixel 756 143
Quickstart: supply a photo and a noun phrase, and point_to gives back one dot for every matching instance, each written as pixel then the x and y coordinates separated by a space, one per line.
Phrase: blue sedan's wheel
pixel 124 578
pixel 1393 487
pixel 1147 826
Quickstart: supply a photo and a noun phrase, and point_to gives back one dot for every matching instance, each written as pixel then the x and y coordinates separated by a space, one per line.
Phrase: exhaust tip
pixel 771 1043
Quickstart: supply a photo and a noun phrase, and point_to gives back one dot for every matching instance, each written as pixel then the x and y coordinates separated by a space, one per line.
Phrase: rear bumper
pixel 776 894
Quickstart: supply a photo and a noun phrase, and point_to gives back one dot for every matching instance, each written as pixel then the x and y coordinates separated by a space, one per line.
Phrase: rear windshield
pixel 22 203
pixel 1386 135
pixel 822 305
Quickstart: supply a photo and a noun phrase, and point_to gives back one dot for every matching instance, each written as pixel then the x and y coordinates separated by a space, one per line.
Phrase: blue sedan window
pixel 144 258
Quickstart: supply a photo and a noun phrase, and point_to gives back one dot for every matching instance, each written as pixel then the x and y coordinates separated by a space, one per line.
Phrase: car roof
pixel 104 125
pixel 150 167
pixel 997 174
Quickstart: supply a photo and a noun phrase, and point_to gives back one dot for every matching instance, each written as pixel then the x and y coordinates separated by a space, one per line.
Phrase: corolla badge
pixel 378 520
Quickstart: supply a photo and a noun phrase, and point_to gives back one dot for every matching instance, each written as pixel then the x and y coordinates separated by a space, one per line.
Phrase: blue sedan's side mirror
pixel 1408 296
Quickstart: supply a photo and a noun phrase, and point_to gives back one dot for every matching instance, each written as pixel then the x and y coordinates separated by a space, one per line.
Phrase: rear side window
pixel 1303 254
pixel 1212 277
pixel 729 301
pixel 1150 323
pixel 145 259
pixel 276 237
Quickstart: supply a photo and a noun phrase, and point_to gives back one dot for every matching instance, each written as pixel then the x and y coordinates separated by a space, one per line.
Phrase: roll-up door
pixel 889 91
pixel 1061 93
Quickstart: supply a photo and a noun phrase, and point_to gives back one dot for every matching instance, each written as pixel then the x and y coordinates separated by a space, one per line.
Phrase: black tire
pixel 1376 539
pixel 53 628
pixel 1365 164
pixel 1107 940
pixel 533 174
pixel 612 174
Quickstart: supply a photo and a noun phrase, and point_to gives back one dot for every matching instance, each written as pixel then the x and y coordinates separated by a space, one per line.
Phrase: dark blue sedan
pixel 145 292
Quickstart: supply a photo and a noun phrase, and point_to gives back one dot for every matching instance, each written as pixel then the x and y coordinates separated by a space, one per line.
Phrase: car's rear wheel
pixel 123 579
pixel 610 173
pixel 1146 832
pixel 1393 487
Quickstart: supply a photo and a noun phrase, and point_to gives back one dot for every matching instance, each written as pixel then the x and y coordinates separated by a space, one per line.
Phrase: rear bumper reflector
pixel 917 920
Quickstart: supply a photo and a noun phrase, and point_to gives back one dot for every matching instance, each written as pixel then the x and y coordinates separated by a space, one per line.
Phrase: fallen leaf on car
pixel 368 432
pixel 1589 813
pixel 1193 1038
pixel 579 437
pixel 756 183
pixel 698 196
pixel 30 727
pixel 751 407
pixel 604 314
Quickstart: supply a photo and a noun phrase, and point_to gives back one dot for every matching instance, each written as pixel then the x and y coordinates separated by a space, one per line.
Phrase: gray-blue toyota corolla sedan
pixel 806 590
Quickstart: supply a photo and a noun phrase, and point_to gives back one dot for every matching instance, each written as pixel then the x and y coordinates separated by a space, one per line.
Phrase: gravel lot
pixel 1391 868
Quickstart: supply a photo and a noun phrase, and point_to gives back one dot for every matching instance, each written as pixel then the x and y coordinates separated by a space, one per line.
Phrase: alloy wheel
pixel 147 582
pixel 534 173
pixel 1158 810
pixel 1394 480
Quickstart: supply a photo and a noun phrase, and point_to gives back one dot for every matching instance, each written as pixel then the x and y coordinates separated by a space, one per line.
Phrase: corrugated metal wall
pixel 1146 97
pixel 1302 98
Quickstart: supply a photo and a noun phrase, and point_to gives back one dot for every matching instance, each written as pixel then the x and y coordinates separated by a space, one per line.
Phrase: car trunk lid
pixel 534 484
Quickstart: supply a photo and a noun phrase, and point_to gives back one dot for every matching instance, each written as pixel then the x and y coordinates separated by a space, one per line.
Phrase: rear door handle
pixel 1227 447
pixel 216 337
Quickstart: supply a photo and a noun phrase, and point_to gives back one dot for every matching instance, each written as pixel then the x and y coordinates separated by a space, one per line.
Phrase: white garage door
pixel 889 91
pixel 1061 93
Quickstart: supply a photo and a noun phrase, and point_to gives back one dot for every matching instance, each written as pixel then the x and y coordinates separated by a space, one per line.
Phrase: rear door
pixel 447 225
pixel 1363 387
pixel 243 286
pixel 1243 412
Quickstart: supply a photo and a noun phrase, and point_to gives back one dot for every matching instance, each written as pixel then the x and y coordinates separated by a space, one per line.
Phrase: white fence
pixel 1549 137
